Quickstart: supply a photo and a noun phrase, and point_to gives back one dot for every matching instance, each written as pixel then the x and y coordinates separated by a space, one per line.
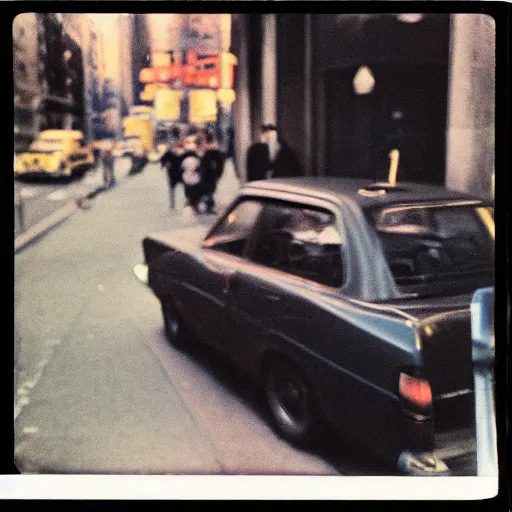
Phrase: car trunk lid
pixel 446 346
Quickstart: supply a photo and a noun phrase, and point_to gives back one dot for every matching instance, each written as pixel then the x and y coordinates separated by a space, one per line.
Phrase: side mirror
pixel 482 333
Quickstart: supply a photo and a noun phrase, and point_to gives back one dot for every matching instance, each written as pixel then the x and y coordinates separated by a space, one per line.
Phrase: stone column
pixel 269 70
pixel 308 96
pixel 242 105
pixel 471 97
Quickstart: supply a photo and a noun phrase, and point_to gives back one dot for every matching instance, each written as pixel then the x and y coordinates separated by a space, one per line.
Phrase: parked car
pixel 59 153
pixel 348 301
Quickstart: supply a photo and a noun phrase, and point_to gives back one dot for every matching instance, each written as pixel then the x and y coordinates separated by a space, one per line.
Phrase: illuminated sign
pixel 167 104
pixel 215 71
pixel 150 90
pixel 203 105
pixel 226 96
pixel 160 59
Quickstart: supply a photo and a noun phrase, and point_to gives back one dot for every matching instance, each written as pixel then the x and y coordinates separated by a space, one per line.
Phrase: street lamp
pixel 363 81
pixel 414 17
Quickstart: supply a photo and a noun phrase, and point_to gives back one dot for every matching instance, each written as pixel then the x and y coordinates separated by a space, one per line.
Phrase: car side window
pixel 233 232
pixel 300 240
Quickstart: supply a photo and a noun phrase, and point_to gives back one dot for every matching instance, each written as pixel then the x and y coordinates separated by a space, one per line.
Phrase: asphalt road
pixel 98 388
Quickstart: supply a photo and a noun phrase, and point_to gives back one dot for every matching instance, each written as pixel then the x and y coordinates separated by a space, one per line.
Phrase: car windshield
pixel 47 145
pixel 437 249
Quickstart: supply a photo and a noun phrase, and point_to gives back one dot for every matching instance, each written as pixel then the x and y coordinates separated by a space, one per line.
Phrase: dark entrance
pixel 406 111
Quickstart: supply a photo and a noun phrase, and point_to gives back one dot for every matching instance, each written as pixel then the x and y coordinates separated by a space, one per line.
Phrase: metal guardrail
pixel 483 350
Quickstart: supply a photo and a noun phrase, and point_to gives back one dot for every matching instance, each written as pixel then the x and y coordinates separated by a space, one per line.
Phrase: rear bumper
pixel 422 464
pixel 454 455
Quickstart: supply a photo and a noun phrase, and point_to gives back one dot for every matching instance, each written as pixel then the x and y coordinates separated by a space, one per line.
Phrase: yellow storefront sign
pixel 150 90
pixel 167 104
pixel 203 106
pixel 226 96
pixel 160 59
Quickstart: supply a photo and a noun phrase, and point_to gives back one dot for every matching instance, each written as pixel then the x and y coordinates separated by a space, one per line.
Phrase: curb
pixel 45 225
pixel 35 232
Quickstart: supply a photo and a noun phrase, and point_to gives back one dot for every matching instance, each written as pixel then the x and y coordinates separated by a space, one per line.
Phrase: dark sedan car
pixel 349 301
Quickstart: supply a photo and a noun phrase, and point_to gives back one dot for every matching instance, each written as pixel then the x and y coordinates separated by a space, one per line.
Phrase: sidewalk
pixel 83 193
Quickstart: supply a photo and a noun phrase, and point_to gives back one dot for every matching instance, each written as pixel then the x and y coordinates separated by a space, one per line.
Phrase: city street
pixel 99 389
pixel 342 279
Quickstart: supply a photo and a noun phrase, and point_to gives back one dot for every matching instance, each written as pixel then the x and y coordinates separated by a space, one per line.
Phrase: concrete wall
pixel 470 133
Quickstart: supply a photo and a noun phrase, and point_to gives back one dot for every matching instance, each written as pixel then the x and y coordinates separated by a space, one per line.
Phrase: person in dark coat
pixel 213 166
pixel 192 174
pixel 171 161
pixel 271 157
pixel 230 151
pixel 258 162
pixel 283 162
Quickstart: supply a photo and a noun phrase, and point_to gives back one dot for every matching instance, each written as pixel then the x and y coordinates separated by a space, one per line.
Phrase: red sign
pixel 212 71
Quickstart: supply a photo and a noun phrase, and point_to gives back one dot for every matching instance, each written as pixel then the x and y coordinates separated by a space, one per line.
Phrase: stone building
pixel 60 65
pixel 346 89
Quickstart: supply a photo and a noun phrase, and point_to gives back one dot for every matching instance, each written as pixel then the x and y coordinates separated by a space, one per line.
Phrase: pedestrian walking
pixel 108 163
pixel 171 162
pixel 213 160
pixel 230 151
pixel 191 175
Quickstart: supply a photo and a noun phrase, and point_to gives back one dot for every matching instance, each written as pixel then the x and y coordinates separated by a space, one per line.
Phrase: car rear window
pixel 436 249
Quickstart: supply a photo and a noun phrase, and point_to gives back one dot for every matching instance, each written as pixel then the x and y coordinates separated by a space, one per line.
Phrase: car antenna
pixel 394 156
pixel 378 189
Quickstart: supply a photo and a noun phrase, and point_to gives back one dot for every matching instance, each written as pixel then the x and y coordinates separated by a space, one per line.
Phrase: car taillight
pixel 416 395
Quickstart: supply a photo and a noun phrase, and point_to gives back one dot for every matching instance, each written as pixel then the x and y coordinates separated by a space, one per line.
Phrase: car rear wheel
pixel 174 328
pixel 291 402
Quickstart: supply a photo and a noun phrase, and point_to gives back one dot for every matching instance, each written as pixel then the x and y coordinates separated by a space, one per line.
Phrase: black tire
pixel 174 327
pixel 292 403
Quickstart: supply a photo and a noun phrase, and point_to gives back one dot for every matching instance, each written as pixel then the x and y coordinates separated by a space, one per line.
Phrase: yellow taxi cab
pixel 59 153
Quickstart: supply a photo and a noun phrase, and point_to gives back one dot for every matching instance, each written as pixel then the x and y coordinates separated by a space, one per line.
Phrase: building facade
pixel 65 69
pixel 27 76
pixel 347 89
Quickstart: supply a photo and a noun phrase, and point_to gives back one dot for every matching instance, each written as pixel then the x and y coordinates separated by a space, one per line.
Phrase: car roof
pixel 61 134
pixel 365 193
